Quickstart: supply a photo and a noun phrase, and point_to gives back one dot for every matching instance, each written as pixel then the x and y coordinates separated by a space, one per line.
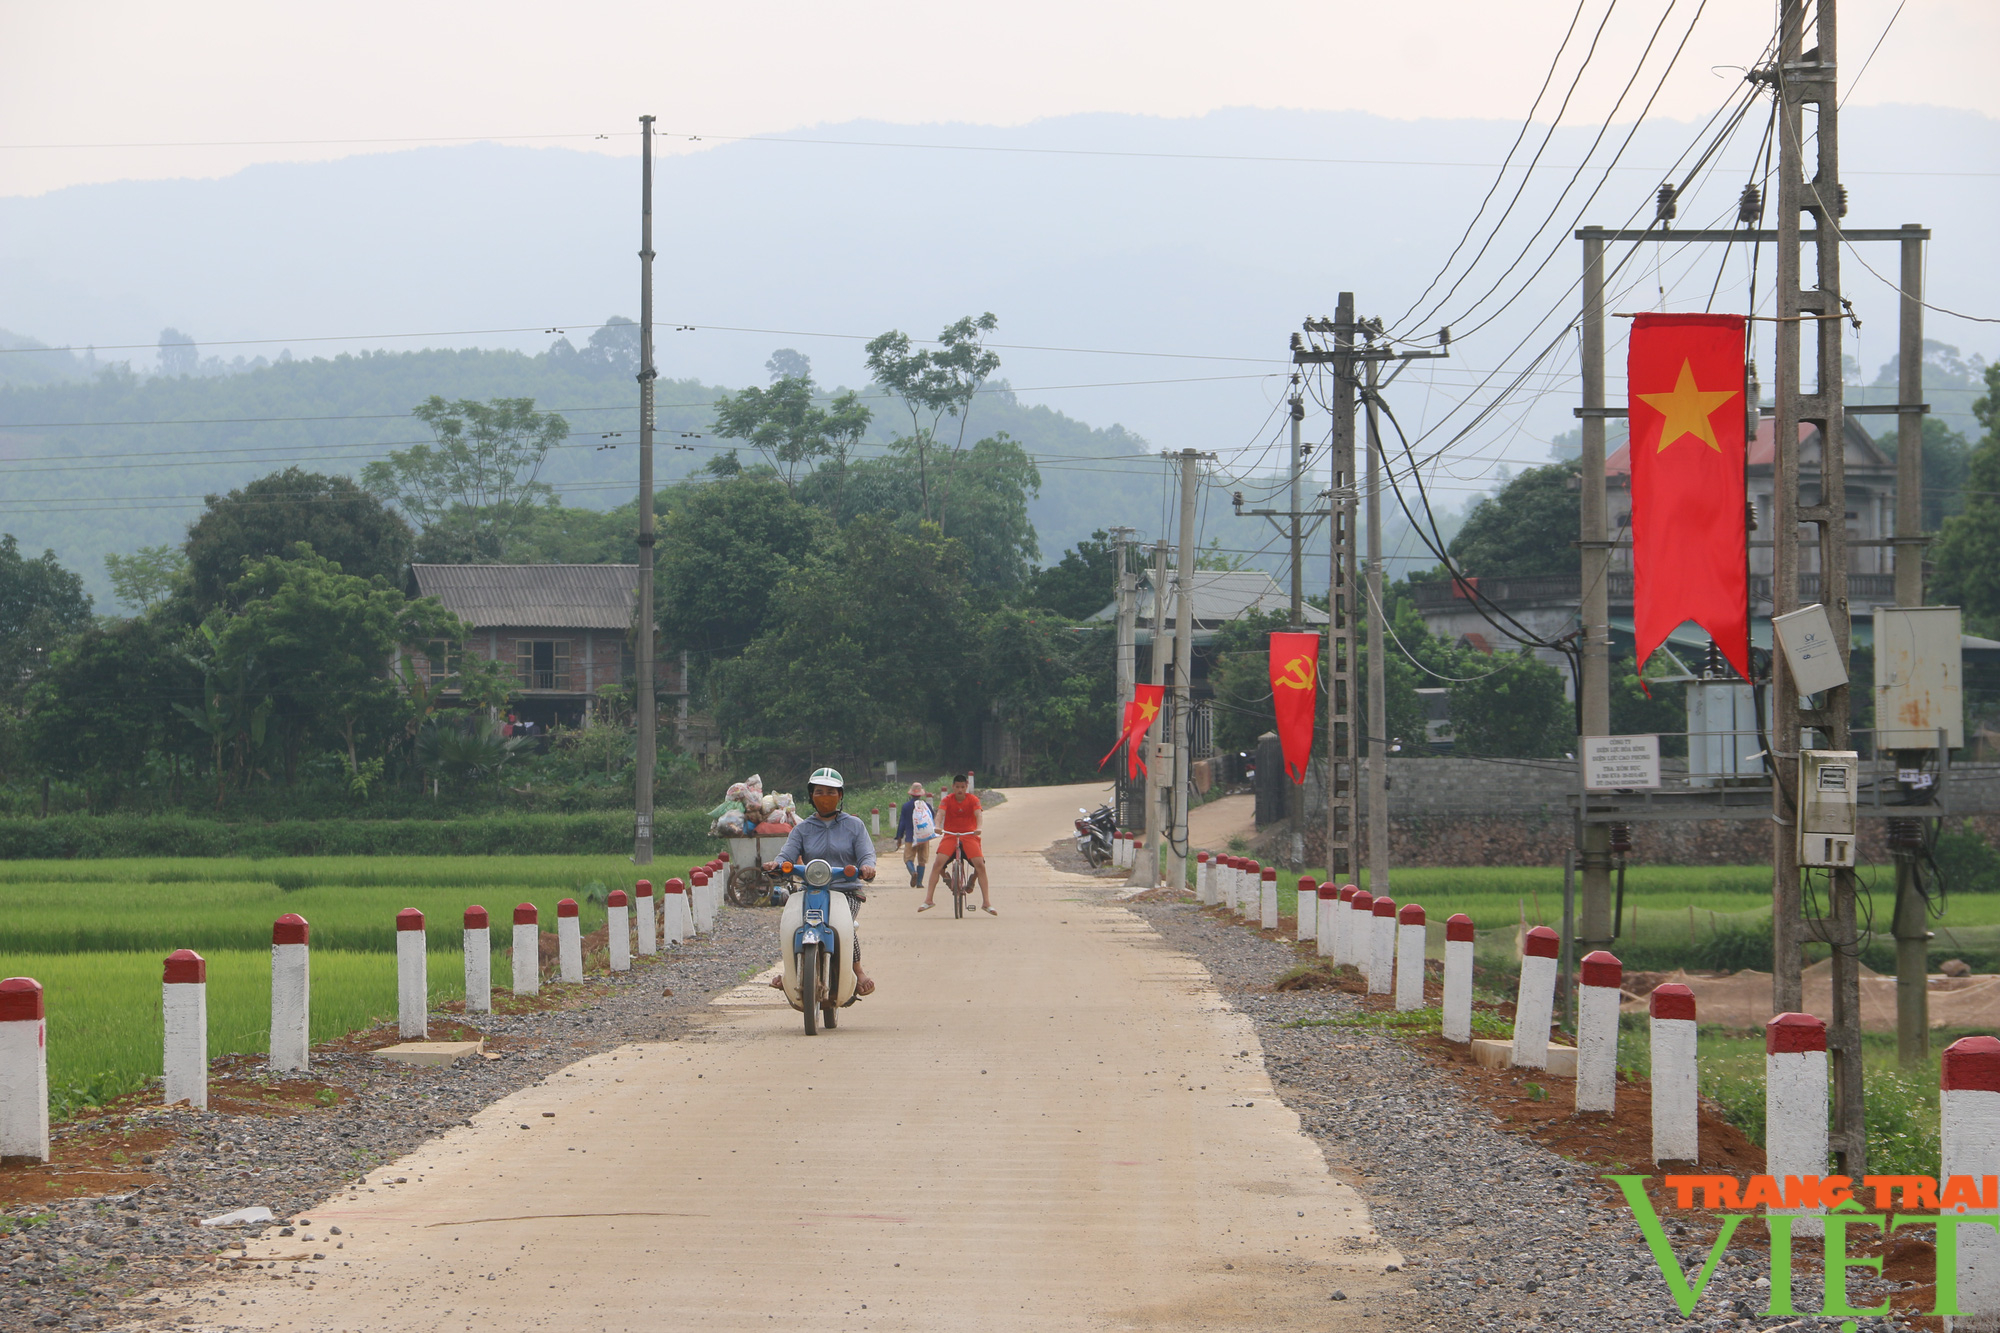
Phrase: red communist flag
pixel 1139 715
pixel 1294 696
pixel 1688 537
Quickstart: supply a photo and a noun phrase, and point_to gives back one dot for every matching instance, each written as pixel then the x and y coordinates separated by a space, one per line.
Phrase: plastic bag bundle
pixel 730 825
pixel 735 792
pixel 754 783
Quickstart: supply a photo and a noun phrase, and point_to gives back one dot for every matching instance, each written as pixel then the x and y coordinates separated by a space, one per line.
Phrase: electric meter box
pixel 1827 798
pixel 1806 635
pixel 1919 677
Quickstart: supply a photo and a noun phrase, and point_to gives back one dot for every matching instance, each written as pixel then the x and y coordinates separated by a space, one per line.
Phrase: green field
pixel 94 933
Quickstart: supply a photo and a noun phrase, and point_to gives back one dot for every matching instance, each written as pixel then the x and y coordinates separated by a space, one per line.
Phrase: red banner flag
pixel 1139 715
pixel 1295 696
pixel 1687 450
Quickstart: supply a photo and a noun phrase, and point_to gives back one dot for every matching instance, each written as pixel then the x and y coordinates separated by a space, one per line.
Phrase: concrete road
pixel 1043 1120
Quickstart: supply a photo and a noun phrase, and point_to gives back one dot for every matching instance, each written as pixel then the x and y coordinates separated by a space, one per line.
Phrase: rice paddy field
pixel 94 933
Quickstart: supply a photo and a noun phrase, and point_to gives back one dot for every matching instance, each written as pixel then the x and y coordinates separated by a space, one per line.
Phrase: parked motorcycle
pixel 816 933
pixel 1093 835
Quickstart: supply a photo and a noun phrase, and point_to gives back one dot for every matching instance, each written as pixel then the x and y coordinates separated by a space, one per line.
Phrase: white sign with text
pixel 1611 762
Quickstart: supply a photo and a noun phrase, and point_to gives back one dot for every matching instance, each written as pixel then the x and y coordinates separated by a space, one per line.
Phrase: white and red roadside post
pixel 1360 929
pixel 527 950
pixel 673 911
pixel 1382 945
pixel 1676 1124
pixel 1458 946
pixel 1267 898
pixel 569 941
pixel 1225 881
pixel 1305 910
pixel 1969 1115
pixel 478 961
pixel 1597 1032
pixel 1795 1105
pixel 1204 891
pixel 184 1003
pixel 619 930
pixel 718 878
pixel 1410 957
pixel 649 929
pixel 875 820
pixel 24 1072
pixel 413 999
pixel 291 993
pixel 1342 918
pixel 1246 894
pixel 697 899
pixel 1535 1001
pixel 1327 910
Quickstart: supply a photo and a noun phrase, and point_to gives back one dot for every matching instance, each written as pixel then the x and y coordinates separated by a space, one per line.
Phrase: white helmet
pixel 827 777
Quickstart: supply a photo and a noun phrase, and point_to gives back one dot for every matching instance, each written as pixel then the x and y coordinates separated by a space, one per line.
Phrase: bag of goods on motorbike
pixel 754 783
pixel 735 792
pixel 774 830
pixel 730 825
pixel 726 808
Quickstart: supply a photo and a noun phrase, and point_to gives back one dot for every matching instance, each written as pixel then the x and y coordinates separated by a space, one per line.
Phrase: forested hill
pixel 116 461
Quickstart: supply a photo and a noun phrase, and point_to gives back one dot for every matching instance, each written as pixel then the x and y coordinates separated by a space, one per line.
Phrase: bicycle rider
pixel 961 820
pixel 832 835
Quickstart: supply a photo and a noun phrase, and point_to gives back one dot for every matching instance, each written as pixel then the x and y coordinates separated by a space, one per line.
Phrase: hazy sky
pixel 262 77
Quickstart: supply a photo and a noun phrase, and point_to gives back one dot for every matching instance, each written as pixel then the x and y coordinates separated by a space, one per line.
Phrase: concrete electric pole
pixel 1146 866
pixel 1594 926
pixel 1378 659
pixel 642 777
pixel 1183 692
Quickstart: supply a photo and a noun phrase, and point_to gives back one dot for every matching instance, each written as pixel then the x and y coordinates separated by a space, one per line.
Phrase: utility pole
pixel 1125 589
pixel 642 816
pixel 1146 866
pixel 1912 926
pixel 1298 516
pixel 1378 659
pixel 1593 840
pixel 1807 77
pixel 1183 694
pixel 1343 735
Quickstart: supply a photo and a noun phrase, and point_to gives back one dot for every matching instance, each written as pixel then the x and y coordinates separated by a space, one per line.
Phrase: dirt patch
pixel 1062 855
pixel 109 1159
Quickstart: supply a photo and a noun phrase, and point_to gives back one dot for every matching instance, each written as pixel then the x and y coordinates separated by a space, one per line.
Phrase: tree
pixel 724 549
pixel 611 353
pixel 98 710
pixel 1968 548
pixel 793 433
pixel 1517 709
pixel 178 353
pixel 339 520
pixel 1526 529
pixel 148 576
pixel 483 467
pixel 934 384
pixel 41 604
pixel 1080 584
pixel 324 638
pixel 1947 460
pixel 786 363
pixel 1053 686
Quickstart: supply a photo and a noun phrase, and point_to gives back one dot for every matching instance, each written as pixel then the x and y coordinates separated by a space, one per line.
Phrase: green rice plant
pixel 105 1028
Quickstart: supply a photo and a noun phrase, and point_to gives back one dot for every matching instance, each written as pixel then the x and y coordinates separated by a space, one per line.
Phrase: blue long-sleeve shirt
pixel 841 841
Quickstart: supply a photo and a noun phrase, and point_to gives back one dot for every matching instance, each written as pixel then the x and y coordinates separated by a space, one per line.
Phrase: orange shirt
pixel 959 814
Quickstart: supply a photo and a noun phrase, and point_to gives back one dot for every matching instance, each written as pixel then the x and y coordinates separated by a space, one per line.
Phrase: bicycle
pixel 959 876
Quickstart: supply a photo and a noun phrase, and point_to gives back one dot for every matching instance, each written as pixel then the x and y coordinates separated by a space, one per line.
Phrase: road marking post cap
pixel 1671 1000
pixel 526 915
pixel 291 928
pixel 20 1000
pixel 567 907
pixel 617 899
pixel 698 877
pixel 409 919
pixel 1252 867
pixel 1602 968
pixel 1328 893
pixel 1543 943
pixel 644 888
pixel 1270 875
pixel 1971 1064
pixel 1791 1034
pixel 185 967
pixel 1411 915
pixel 1383 906
pixel 475 917
pixel 674 886
pixel 1458 928
pixel 1308 885
pixel 1201 857
pixel 1362 901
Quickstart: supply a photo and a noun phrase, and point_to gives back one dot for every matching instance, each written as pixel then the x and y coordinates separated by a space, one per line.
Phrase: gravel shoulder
pixel 89 1262
pixel 1497 1231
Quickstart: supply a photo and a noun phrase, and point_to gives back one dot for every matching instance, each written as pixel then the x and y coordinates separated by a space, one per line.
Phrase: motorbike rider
pixel 832 835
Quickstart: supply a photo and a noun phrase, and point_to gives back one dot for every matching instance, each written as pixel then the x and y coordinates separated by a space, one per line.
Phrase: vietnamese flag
pixel 1689 544
pixel 1295 696
pixel 1139 715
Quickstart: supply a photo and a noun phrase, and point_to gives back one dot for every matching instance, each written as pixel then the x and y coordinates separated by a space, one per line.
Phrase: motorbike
pixel 816 931
pixel 1093 834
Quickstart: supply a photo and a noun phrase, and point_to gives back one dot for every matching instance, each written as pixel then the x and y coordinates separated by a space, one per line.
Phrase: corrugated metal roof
pixel 534 596
pixel 1218 596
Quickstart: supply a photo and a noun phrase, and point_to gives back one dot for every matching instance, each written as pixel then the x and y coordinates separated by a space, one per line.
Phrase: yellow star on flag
pixel 1687 409
pixel 1148 710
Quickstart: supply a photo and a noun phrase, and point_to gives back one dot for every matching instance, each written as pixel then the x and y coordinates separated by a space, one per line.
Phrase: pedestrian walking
pixel 916 830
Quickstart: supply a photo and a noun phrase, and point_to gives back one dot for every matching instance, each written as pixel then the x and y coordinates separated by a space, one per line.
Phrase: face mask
pixel 826 802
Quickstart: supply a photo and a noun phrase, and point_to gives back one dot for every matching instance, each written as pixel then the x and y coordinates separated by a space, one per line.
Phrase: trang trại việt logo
pixel 1831 1201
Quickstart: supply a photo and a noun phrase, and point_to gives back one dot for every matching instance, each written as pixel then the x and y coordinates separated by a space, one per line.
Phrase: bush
pixel 68 837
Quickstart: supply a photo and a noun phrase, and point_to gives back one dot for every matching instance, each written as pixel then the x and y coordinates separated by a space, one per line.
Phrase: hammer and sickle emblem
pixel 1298 674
